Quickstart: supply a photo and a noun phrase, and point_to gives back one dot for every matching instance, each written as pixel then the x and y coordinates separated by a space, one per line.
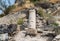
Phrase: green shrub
pixel 1 15
pixel 34 0
pixel 55 24
pixel 20 21
pixel 9 9
pixel 57 30
pixel 44 15
pixel 40 12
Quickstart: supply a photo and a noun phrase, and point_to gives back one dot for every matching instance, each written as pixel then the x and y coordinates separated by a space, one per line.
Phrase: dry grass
pixel 54 1
pixel 24 6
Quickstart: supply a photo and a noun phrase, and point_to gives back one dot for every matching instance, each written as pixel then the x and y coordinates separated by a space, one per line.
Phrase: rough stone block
pixel 12 28
pixel 31 32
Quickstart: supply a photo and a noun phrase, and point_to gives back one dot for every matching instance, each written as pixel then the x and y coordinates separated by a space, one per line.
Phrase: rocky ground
pixel 20 36
pixel 12 18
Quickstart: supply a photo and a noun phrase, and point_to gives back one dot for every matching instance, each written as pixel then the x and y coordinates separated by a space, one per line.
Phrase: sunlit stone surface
pixel 32 19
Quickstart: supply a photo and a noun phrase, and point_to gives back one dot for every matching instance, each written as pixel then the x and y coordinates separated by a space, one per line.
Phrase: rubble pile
pixel 28 34
pixel 6 31
pixel 34 26
pixel 22 37
pixel 13 34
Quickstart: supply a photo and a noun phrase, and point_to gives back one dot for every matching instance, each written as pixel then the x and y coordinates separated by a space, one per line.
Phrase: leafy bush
pixel 55 24
pixel 57 30
pixel 1 15
pixel 44 15
pixel 20 21
pixel 40 12
pixel 9 9
pixel 34 0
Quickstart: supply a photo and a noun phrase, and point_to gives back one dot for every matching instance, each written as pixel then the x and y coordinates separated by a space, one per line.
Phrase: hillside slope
pixel 11 18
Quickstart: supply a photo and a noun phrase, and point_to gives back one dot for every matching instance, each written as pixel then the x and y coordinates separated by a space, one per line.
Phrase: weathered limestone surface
pixel 22 37
pixel 11 18
pixel 32 19
pixel 57 38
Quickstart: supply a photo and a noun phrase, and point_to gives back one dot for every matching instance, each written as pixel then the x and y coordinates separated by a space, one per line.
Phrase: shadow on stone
pixel 12 28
